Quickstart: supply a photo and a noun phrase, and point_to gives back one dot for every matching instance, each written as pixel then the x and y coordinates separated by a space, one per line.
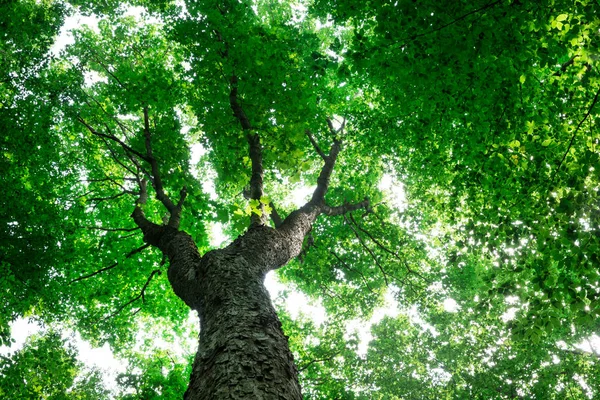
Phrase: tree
pixel 485 111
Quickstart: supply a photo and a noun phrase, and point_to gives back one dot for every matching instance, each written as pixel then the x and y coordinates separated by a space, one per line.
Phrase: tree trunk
pixel 242 351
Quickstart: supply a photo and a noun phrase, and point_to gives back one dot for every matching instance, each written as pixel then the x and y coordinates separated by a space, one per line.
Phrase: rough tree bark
pixel 242 352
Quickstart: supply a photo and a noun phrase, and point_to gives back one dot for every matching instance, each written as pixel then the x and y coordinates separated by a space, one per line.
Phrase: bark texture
pixel 243 352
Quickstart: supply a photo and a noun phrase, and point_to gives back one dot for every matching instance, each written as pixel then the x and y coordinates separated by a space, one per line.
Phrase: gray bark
pixel 242 352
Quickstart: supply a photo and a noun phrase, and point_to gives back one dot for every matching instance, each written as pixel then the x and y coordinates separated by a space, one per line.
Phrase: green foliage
pixel 486 111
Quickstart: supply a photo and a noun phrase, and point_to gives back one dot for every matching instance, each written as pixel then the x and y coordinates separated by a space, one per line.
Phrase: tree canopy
pixel 485 113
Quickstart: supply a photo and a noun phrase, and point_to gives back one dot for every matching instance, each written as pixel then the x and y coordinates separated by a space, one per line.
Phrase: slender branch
pixel 344 209
pixel 587 114
pixel 156 181
pixel 113 138
pixel 386 249
pixel 315 145
pixel 109 115
pixel 105 68
pixel 116 196
pixel 139 296
pixel 439 28
pixel 316 360
pixel 348 267
pixel 364 245
pixel 116 158
pixel 128 255
pixel 112 229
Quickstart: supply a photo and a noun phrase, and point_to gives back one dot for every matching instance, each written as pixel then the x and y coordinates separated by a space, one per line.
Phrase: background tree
pixel 485 111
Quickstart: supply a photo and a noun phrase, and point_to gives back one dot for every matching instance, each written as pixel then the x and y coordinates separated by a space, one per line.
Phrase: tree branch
pixel 344 209
pixel 113 138
pixel 116 158
pixel 364 245
pixel 316 360
pixel 386 249
pixel 129 255
pixel 348 267
pixel 485 7
pixel 237 109
pixel 315 145
pixel 156 181
pixel 277 221
pixel 255 150
pixel 139 296
pixel 116 196
pixel 112 229
pixel 318 196
pixel 587 114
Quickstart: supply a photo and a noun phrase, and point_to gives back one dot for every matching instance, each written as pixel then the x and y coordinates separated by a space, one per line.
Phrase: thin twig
pixel 587 114
pixel 413 37
pixel 128 255
pixel 364 245
pixel 139 296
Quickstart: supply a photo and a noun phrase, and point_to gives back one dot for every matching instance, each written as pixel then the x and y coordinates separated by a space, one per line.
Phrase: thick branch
pixel 275 216
pixel 255 150
pixel 237 109
pixel 175 218
pixel 318 196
